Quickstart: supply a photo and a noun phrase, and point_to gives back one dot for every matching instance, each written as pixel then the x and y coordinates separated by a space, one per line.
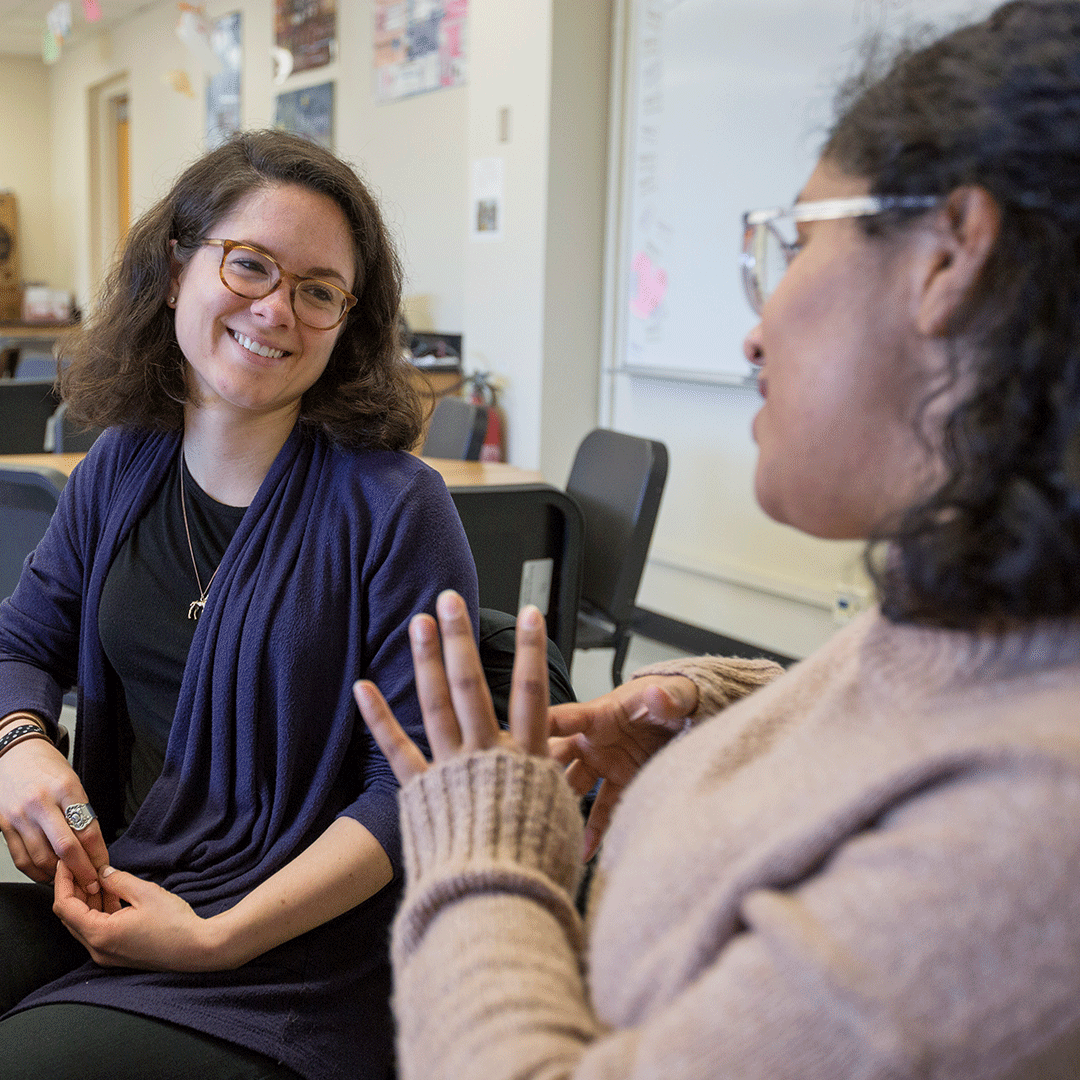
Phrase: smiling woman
pixel 247 539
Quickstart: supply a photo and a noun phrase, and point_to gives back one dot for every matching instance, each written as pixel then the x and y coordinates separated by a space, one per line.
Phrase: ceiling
pixel 22 22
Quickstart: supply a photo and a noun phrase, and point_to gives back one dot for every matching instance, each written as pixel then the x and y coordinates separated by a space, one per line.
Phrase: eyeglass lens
pixel 253 275
pixel 766 250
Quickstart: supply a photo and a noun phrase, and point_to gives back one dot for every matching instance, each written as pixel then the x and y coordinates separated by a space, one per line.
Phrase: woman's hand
pixel 36 785
pixel 611 737
pixel 154 929
pixel 454 697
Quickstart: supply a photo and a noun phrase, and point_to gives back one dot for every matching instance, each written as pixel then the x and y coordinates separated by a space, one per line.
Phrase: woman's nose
pixel 276 305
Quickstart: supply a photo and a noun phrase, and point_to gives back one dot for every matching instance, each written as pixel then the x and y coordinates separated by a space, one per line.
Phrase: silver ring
pixel 79 815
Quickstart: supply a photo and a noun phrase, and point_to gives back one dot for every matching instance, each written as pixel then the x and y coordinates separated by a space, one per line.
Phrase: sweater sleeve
pixel 720 680
pixel 491 850
pixel 940 941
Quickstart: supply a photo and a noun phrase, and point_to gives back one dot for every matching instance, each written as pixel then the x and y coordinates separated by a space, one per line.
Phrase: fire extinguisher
pixel 483 391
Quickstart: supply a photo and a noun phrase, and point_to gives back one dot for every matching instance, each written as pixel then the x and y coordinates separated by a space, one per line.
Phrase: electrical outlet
pixel 848 601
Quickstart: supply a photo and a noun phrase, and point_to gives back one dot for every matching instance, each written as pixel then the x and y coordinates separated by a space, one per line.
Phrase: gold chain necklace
pixel 196 606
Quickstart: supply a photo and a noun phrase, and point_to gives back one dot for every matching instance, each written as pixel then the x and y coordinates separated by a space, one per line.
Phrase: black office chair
pixel 25 408
pixel 457 430
pixel 617 480
pixel 528 544
pixel 64 436
pixel 28 497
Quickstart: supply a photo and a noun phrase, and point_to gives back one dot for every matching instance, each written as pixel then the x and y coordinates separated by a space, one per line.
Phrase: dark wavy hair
pixel 997 105
pixel 126 367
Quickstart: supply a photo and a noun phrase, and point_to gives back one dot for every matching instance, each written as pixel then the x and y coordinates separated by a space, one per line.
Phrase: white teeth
pixel 255 347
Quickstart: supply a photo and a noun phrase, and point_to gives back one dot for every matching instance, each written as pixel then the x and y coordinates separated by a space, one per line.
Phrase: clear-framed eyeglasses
pixel 253 274
pixel 771 241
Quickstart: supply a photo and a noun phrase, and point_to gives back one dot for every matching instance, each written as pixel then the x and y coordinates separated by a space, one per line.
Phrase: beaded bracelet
pixel 22 733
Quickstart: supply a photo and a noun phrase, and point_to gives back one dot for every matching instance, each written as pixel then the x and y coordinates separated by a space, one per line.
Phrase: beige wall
pixel 412 152
pixel 26 162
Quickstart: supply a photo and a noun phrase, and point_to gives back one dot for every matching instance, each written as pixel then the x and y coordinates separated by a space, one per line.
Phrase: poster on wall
pixel 308 112
pixel 419 46
pixel 223 89
pixel 308 30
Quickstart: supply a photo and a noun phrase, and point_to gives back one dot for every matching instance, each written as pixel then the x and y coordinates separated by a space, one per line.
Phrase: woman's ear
pixel 967 227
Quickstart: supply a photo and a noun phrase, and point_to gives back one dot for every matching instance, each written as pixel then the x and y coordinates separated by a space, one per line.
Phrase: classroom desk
pixel 457 474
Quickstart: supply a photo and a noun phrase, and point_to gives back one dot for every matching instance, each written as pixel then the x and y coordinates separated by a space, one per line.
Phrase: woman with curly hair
pixel 248 536
pixel 869 867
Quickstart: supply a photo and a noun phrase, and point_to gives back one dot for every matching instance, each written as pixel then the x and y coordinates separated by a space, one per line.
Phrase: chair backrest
pixel 25 408
pixel 36 366
pixel 28 497
pixel 528 544
pixel 617 480
pixel 64 436
pixel 456 430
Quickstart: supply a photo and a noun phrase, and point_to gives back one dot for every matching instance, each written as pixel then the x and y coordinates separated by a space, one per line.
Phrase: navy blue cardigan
pixel 336 552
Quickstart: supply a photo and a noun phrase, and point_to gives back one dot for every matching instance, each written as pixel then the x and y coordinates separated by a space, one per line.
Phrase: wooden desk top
pixel 25 331
pixel 482 473
pixel 455 473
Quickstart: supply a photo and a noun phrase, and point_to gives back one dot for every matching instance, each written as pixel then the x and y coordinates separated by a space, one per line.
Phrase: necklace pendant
pixel 195 609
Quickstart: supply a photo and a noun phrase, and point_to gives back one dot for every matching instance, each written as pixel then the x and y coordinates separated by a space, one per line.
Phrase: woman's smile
pixel 262 350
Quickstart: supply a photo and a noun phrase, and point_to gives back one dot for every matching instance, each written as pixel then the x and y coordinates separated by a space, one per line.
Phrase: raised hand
pixel 453 693
pixel 611 737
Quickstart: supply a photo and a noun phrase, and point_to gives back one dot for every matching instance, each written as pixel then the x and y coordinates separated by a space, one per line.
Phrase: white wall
pixel 25 161
pixel 533 297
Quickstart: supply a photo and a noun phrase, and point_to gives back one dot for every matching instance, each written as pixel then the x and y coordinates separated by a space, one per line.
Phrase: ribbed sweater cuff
pixel 490 822
pixel 720 680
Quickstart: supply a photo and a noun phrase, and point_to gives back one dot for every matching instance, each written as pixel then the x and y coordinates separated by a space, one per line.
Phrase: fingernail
pixel 105 871
pixel 449 605
pixel 530 617
pixel 92 887
pixel 419 630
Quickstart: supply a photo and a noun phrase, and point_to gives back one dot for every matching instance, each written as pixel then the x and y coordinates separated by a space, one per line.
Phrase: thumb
pixel 124 886
pixel 675 700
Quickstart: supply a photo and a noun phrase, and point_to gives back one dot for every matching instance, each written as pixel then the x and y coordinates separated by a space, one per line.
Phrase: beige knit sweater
pixel 868 869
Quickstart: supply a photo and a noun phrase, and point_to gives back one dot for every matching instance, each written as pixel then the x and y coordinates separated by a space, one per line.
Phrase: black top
pixel 143 619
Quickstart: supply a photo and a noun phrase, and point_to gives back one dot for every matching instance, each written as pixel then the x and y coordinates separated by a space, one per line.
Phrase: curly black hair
pixel 126 366
pixel 995 104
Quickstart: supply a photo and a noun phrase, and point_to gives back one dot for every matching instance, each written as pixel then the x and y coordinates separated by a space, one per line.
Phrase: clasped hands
pixel 120 919
pixel 607 739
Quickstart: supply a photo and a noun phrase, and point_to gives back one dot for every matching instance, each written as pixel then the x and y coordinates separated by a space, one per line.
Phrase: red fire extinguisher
pixel 484 392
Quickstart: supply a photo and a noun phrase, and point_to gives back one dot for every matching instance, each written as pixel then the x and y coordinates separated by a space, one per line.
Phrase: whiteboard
pixel 725 106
